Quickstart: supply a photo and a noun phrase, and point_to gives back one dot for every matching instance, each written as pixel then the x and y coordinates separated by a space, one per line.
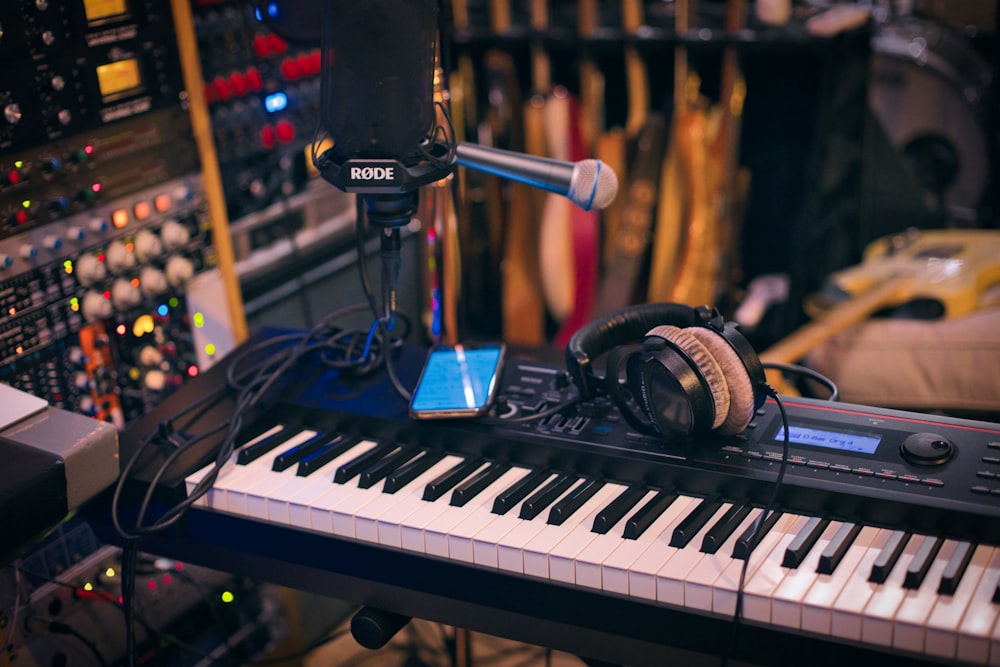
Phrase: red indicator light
pixel 21 216
pixel 88 149
pixel 96 188
pixel 13 177
pixel 120 329
pixel 192 371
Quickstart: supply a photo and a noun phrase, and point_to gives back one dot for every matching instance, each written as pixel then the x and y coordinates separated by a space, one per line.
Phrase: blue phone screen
pixel 457 378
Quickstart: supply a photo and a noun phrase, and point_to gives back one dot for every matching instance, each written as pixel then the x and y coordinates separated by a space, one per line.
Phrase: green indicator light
pixel 199 320
pixel 228 597
pixel 173 302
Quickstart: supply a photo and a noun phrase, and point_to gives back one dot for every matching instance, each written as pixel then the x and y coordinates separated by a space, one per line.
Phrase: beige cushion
pixel 917 364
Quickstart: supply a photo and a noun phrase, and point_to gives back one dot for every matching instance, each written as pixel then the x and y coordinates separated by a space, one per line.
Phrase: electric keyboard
pixel 575 532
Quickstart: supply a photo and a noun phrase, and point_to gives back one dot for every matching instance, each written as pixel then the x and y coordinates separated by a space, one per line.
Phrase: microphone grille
pixel 593 185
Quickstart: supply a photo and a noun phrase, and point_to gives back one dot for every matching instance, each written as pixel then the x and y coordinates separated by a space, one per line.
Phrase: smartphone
pixel 458 381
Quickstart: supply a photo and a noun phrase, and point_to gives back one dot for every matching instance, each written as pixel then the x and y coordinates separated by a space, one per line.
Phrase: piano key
pixel 617 510
pixel 817 606
pixel 838 546
pixel 644 517
pixel 888 556
pixel 378 471
pixel 564 556
pixel 804 541
pixel 547 495
pixel 260 446
pixel 786 603
pixel 213 497
pixel 726 585
pixel 300 497
pixel 976 627
pixel 321 507
pixel 247 475
pixel 877 619
pixel 685 531
pixel 742 546
pixel 759 588
pixel 518 492
pixel 485 543
pixel 848 608
pixel 698 589
pixel 475 484
pixel 510 549
pixel 651 577
pixel 616 569
pixel 911 618
pixel 354 467
pixel 413 527
pixel 390 525
pixel 536 553
pixel 334 447
pixel 290 457
pixel 409 495
pixel 450 479
pixel 415 468
pixel 573 501
pixel 945 621
pixel 921 563
pixel 587 564
pixel 724 527
pixel 953 573
pixel 477 519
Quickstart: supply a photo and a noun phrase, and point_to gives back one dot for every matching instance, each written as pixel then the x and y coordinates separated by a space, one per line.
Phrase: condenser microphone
pixel 587 183
pixel 377 104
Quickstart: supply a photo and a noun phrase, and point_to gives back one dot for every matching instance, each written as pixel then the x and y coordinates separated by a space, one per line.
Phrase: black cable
pixel 796 369
pixel 758 534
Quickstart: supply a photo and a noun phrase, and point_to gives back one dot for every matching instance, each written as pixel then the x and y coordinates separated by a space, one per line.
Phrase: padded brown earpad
pixel 709 367
pixel 740 386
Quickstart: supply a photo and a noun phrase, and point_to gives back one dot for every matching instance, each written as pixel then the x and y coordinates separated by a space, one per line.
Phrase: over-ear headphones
pixel 688 370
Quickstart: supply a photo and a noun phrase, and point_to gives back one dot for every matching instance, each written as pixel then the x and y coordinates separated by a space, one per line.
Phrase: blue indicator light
pixel 272 9
pixel 163 310
pixel 275 102
pixel 258 15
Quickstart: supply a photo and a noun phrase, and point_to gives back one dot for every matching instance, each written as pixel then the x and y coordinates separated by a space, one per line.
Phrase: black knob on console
pixel 928 449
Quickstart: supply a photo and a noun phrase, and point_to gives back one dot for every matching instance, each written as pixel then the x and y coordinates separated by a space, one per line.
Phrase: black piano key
pixel 693 522
pixel 286 460
pixel 724 527
pixel 515 494
pixel 409 472
pixel 887 558
pixel 378 471
pixel 955 568
pixel 546 495
pixel 647 514
pixel 473 486
pixel 838 546
pixel 354 467
pixel 917 568
pixel 447 480
pixel 804 541
pixel 742 547
pixel 563 509
pixel 334 447
pixel 618 508
pixel 253 452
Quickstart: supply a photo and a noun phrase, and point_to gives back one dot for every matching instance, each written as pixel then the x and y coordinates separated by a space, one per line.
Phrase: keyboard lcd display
pixel 845 442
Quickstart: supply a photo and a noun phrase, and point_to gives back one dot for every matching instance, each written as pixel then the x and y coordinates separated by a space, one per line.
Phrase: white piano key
pixel 366 518
pixel 817 606
pixel 786 602
pixel 563 556
pixel 537 551
pixel 668 578
pixel 848 608
pixel 300 496
pixel 213 498
pixel 321 507
pixel 413 527
pixel 760 586
pixel 698 584
pixel 510 549
pixel 587 563
pixel 945 620
pixel 727 584
pixel 877 620
pixel 615 569
pixel 240 482
pixel 911 617
pixel 478 518
pixel 980 617
pixel 485 543
pixel 344 511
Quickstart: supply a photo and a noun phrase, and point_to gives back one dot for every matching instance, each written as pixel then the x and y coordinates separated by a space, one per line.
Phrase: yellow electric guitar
pixel 955 270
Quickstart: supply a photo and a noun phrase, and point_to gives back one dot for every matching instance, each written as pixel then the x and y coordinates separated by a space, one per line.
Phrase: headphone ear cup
pixel 669 390
pixel 704 363
pixel 742 398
